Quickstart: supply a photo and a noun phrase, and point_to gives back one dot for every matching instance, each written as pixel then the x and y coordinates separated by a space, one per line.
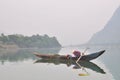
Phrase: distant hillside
pixel 111 32
pixel 34 41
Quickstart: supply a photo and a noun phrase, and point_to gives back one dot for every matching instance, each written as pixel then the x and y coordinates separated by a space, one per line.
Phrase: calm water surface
pixel 21 65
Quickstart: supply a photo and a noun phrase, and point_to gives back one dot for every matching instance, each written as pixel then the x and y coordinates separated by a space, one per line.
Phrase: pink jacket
pixel 77 53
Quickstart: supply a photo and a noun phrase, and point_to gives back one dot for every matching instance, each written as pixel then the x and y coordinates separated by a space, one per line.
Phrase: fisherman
pixel 77 53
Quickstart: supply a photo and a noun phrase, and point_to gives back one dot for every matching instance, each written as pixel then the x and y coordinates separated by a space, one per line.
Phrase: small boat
pixel 64 57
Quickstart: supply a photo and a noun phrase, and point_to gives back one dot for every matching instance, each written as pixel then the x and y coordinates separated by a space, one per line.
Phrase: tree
pixel 30 42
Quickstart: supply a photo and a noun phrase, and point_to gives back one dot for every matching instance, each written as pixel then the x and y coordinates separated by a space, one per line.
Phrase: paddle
pixel 81 55
pixel 82 74
pixel 80 65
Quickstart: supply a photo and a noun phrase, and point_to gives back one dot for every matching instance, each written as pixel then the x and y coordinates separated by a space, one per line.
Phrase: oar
pixel 81 55
pixel 82 74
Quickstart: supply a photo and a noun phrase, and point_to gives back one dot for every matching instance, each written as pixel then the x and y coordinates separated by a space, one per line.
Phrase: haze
pixel 71 21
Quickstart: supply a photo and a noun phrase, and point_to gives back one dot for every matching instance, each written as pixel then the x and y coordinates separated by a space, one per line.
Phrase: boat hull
pixel 84 58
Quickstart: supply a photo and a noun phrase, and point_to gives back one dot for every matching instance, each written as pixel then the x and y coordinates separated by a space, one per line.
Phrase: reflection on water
pixel 81 64
pixel 23 54
pixel 111 59
pixel 20 65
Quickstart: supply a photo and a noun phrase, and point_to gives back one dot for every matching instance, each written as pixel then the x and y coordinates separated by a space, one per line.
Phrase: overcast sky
pixel 71 21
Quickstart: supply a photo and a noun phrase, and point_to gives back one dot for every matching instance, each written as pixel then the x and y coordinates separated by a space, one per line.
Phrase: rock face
pixel 111 32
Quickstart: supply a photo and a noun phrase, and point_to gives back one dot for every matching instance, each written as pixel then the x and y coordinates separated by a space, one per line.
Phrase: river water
pixel 24 65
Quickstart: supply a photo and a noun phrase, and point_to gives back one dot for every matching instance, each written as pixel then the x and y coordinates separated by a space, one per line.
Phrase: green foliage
pixel 34 41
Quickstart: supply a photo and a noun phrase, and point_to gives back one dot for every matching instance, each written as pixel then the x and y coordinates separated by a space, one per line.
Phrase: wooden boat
pixel 85 64
pixel 64 57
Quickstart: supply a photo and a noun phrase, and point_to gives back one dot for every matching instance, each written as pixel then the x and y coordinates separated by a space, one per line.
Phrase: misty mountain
pixel 111 32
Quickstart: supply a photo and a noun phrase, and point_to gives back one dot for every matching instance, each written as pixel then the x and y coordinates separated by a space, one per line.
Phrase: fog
pixel 71 21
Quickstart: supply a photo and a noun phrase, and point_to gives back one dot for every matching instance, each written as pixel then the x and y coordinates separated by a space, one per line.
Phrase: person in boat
pixel 77 53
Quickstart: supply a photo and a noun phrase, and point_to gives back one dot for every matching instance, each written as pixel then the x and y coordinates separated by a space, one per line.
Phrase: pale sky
pixel 71 21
